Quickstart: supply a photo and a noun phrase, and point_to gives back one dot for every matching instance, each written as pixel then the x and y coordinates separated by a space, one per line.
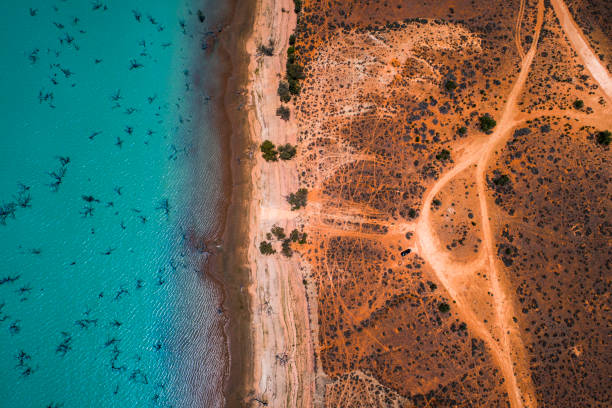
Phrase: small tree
pixel 501 180
pixel 443 155
pixel 294 86
pixel 462 130
pixel 286 152
pixel 266 248
pixel 450 85
pixel 286 248
pixel 578 104
pixel 278 232
pixel 292 39
pixel 604 137
pixel 297 236
pixel 295 71
pixel 487 123
pixel 283 112
pixel 298 199
pixel 294 235
pixel 283 91
pixel 444 307
pixel 268 151
pixel 297 6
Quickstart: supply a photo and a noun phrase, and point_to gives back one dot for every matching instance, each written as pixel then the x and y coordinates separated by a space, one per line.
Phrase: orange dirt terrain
pixel 456 266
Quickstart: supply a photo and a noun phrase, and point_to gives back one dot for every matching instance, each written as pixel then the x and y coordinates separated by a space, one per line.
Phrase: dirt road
pixel 576 38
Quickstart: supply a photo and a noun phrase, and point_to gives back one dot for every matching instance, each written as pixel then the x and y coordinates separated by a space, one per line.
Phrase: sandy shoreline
pixel 282 339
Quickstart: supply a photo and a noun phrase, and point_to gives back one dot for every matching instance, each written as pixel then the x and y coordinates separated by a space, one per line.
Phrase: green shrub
pixel 462 130
pixel 443 155
pixel 283 112
pixel 294 86
pixel 292 39
pixel 578 104
pixel 286 248
pixel 266 248
pixel 297 236
pixel 278 232
pixel 298 199
pixel 444 307
pixel 297 6
pixel 286 152
pixel 487 122
pixel 450 85
pixel 295 71
pixel 604 137
pixel 283 91
pixel 501 180
pixel 291 50
pixel 268 151
pixel 436 202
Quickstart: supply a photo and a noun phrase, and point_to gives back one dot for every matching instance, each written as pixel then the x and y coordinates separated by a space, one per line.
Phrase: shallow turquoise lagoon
pixel 105 138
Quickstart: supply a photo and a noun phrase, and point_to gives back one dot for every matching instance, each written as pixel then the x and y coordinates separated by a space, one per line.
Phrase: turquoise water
pixel 109 167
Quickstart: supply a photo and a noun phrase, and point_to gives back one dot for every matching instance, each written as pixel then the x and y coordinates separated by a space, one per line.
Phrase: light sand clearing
pixel 283 348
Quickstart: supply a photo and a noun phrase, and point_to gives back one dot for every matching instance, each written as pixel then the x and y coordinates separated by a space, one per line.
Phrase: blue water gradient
pixel 105 137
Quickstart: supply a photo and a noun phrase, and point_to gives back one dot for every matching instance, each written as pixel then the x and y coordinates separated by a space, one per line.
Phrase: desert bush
pixel 297 6
pixel 292 39
pixel 298 199
pixel 267 50
pixel 278 232
pixel 578 104
pixel 604 137
pixel 294 86
pixel 268 151
pixel 297 236
pixel 487 122
pixel 444 307
pixel 462 130
pixel 283 91
pixel 295 71
pixel 286 248
pixel 286 151
pixel 450 85
pixel 283 112
pixel 501 180
pixel 266 248
pixel 443 155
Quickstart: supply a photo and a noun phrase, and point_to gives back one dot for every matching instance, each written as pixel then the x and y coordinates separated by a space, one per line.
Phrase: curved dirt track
pixel 599 73
pixel 504 343
pixel 499 341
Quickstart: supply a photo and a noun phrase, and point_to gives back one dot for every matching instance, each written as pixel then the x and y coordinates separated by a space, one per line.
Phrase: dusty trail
pixel 500 343
pixel 517 30
pixel 576 38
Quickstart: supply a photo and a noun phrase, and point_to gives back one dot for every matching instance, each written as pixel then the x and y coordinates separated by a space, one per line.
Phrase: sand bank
pixel 282 335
